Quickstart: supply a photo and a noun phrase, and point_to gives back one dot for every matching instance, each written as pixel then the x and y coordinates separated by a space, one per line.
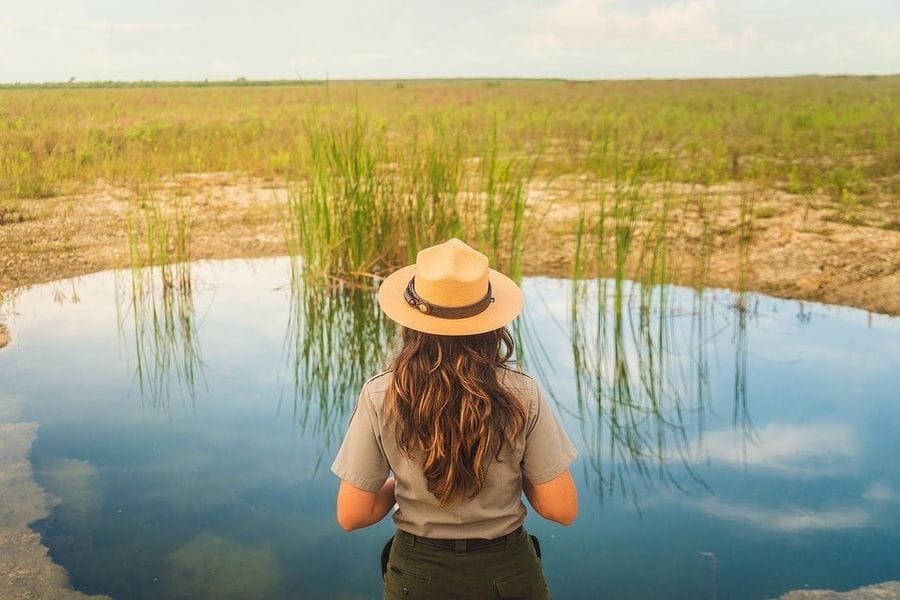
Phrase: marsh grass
pixel 378 171
pixel 159 298
pixel 643 401
pixel 362 205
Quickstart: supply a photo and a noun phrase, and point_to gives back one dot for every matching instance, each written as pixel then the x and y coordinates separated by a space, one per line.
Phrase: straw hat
pixel 450 291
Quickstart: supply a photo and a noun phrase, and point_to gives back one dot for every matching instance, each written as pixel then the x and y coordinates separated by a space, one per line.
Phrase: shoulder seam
pixel 517 371
pixel 374 377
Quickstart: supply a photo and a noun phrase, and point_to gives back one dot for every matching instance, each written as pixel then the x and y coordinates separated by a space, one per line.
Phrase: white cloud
pixel 881 492
pixel 139 26
pixel 799 450
pixel 794 519
pixel 572 24
pixel 589 18
pixel 685 22
pixel 887 37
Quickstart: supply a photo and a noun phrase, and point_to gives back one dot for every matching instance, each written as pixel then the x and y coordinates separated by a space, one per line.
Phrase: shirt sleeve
pixel 360 460
pixel 548 450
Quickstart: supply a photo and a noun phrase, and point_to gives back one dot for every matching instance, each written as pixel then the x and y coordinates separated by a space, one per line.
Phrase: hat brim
pixel 507 305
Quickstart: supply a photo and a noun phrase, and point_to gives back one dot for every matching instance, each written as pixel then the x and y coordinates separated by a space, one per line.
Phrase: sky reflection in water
pixel 761 456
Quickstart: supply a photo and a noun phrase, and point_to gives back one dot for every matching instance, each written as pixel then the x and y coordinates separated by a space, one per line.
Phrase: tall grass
pixel 363 206
pixel 159 298
pixel 642 401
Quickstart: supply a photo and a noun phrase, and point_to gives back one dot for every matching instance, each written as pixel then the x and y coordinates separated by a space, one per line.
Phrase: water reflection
pixel 159 302
pixel 642 383
pixel 336 337
pixel 640 364
pixel 153 491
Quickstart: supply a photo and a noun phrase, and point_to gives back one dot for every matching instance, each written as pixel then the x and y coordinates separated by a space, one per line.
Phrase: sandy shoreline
pixel 26 569
pixel 799 250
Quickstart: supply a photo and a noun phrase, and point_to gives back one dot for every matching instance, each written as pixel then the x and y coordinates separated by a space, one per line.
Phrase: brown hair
pixel 447 404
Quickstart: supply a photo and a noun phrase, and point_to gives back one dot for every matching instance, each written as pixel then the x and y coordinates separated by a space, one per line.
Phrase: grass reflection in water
pixel 336 338
pixel 160 300
pixel 642 375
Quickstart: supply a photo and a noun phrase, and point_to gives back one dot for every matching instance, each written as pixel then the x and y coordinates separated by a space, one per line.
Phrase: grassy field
pixel 374 170
pixel 837 134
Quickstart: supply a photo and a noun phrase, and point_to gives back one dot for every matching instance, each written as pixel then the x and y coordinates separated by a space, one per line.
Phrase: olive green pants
pixel 417 570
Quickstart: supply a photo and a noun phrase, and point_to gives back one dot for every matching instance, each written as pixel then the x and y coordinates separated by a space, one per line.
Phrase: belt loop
pixel 409 539
pixel 509 538
pixel 460 547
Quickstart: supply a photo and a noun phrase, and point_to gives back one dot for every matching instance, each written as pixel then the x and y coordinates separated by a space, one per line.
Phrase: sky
pixel 56 40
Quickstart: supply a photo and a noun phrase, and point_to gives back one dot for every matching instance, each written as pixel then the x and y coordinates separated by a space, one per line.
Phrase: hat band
pixel 445 312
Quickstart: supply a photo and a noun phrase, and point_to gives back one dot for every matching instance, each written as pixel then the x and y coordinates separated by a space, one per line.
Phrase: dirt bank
pixel 889 590
pixel 802 247
pixel 26 570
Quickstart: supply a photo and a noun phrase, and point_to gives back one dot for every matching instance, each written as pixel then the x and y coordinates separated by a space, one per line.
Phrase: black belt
pixel 462 546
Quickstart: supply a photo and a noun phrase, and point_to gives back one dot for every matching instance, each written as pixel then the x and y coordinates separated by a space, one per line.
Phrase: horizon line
pixel 238 81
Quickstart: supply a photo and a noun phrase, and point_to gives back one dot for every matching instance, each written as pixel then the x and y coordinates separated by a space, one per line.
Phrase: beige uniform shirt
pixel 369 452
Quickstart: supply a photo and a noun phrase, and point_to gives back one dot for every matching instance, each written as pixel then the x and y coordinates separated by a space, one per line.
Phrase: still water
pixel 729 446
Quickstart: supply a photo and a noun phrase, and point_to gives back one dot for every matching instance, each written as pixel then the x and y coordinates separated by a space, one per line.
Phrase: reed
pixel 159 298
pixel 362 205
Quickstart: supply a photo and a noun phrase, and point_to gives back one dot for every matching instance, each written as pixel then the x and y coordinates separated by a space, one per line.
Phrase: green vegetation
pixel 835 134
pixel 362 206
pixel 159 296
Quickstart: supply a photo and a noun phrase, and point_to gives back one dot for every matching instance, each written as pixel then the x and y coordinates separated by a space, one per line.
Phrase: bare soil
pixel 26 570
pixel 889 590
pixel 808 248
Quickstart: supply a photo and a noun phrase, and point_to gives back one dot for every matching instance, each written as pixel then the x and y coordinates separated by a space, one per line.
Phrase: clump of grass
pixel 764 212
pixel 340 212
pixel 362 206
pixel 11 212
pixel 160 297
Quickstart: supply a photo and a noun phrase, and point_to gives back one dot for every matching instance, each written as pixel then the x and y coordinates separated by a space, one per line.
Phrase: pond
pixel 731 446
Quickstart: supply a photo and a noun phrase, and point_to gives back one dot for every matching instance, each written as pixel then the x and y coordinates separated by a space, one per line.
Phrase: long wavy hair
pixel 448 405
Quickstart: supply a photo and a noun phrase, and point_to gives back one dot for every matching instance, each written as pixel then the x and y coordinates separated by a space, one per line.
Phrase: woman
pixel 463 435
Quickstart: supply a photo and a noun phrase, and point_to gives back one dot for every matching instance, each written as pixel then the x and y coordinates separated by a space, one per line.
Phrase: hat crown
pixel 451 274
